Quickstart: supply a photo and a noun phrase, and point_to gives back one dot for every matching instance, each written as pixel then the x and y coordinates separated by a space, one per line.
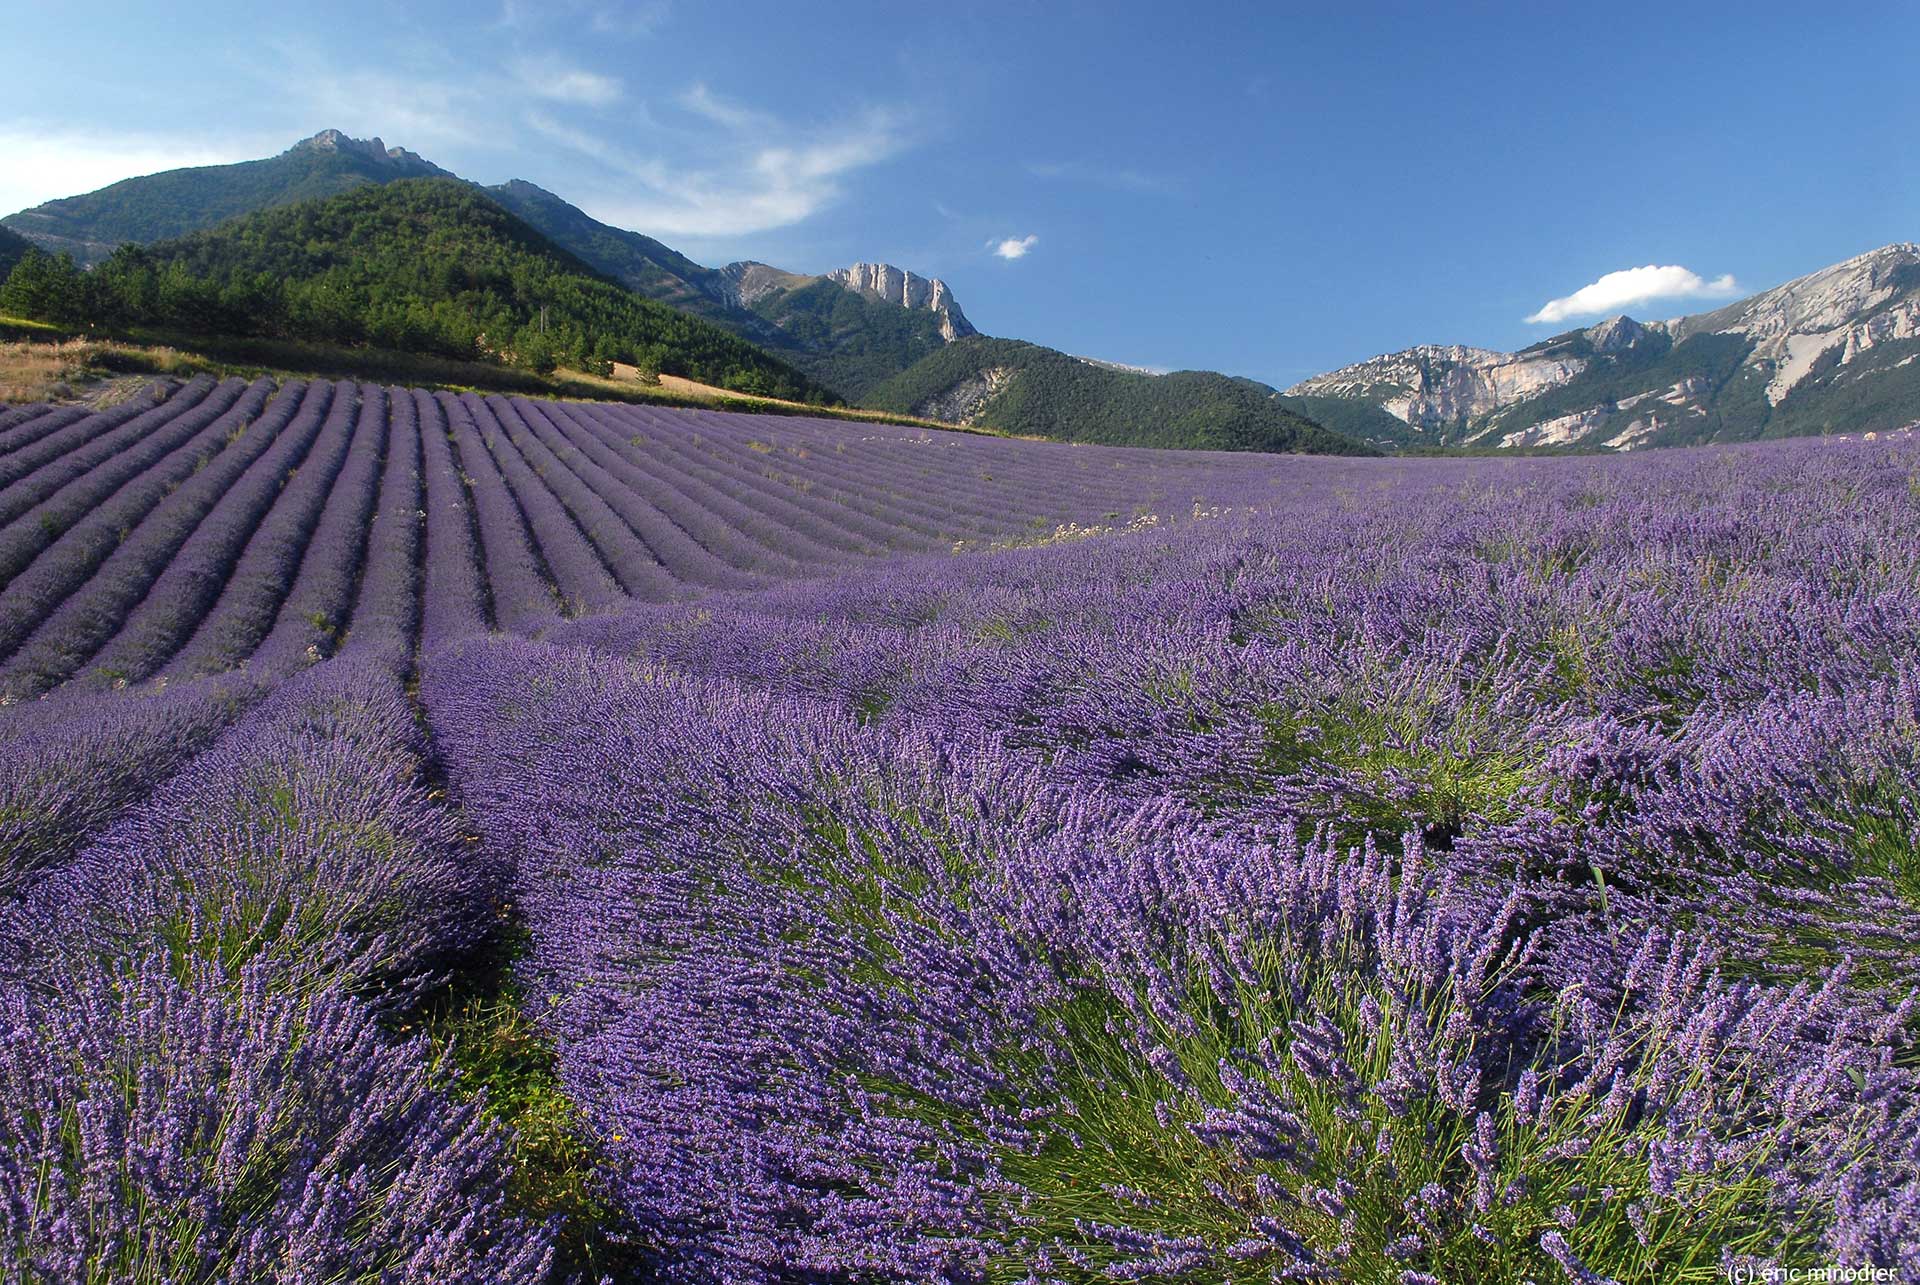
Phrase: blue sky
pixel 1269 190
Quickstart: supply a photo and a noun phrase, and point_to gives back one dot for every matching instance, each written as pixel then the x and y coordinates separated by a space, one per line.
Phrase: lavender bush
pixel 155 1127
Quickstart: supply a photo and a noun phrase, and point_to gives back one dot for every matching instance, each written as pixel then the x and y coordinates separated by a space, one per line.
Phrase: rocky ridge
pixel 371 149
pixel 1840 342
pixel 908 290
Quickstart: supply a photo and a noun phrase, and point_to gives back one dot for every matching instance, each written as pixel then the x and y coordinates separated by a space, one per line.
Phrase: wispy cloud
pixel 1632 288
pixel 424 101
pixel 1117 178
pixel 549 77
pixel 703 102
pixel 633 18
pixel 734 171
pixel 45 162
pixel 1013 247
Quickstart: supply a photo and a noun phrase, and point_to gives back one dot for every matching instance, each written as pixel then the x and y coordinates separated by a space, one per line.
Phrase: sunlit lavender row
pixel 907 856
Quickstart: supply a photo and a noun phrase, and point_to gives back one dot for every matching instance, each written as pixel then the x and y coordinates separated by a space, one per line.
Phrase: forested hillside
pixel 1026 389
pixel 422 265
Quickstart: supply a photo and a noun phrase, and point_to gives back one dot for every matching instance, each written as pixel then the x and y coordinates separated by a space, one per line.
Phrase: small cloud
pixel 550 78
pixel 1014 247
pixel 1631 288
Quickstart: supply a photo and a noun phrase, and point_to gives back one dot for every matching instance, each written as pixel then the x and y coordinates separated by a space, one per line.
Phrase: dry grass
pixel 39 363
pixel 627 384
pixel 98 372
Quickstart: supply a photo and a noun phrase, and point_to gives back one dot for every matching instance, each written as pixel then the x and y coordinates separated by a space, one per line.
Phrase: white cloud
pixel 43 163
pixel 1632 288
pixel 551 78
pixel 759 174
pixel 1014 247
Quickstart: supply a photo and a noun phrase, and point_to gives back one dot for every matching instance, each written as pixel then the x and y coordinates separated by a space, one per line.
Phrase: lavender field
pixel 911 856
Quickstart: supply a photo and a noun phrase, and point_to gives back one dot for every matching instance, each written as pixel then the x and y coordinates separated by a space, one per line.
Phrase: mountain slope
pixel 1837 350
pixel 848 330
pixel 639 263
pixel 1024 388
pixel 158 206
pixel 422 265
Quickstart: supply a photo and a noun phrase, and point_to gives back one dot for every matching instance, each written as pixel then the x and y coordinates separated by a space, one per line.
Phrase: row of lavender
pixel 212 539
pixel 1449 872
pixel 224 887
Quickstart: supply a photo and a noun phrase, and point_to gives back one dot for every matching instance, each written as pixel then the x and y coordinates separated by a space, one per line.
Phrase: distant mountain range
pixel 1835 351
pixel 873 333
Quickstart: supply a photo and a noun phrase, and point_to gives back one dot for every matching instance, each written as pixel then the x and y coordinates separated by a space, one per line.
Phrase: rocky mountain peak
pixel 1616 334
pixel 372 149
pixel 746 282
pixel 1837 314
pixel 908 290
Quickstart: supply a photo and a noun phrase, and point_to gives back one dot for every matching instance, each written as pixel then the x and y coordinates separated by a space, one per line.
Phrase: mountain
pixel 422 265
pixel 873 333
pixel 852 329
pixel 637 262
pixel 158 206
pixel 1025 388
pixel 1835 351
pixel 888 284
pixel 849 330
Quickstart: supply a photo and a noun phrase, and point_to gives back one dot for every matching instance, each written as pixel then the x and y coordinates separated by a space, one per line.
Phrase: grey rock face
pixel 907 290
pixel 962 403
